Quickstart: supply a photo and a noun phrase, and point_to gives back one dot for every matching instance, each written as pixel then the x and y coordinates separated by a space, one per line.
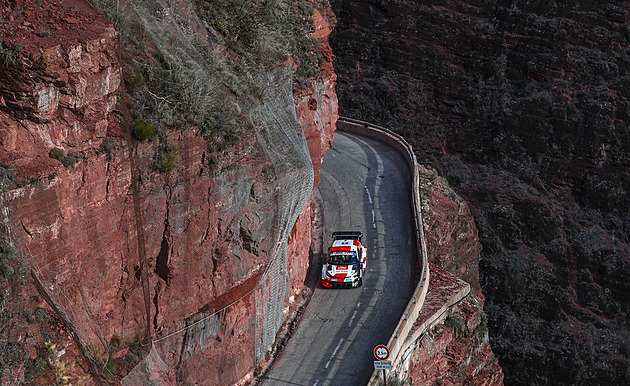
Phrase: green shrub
pixel 458 324
pixel 34 368
pixel 72 158
pixel 455 321
pixel 131 358
pixel 56 153
pixel 115 341
pixel 142 130
pixel 8 54
pixel 135 349
pixel 67 160
pixel 207 126
pixel 7 177
pixel 137 81
pixel 9 262
pixel 7 252
pixel 110 366
pixel 41 316
pixel 166 161
pixel 6 269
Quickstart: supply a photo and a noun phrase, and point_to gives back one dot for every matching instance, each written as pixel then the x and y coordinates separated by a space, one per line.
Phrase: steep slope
pixel 523 106
pixel 455 348
pixel 184 243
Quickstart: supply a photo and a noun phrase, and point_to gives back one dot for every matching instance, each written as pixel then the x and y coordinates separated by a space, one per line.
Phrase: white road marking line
pixel 334 353
pixel 316 382
pixel 352 318
pixel 369 195
pixel 354 314
pixel 371 203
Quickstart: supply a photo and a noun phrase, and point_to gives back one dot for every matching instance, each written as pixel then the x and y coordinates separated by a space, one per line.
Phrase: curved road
pixel 365 185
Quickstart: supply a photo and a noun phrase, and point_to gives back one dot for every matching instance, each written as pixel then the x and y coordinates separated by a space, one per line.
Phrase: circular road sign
pixel 381 352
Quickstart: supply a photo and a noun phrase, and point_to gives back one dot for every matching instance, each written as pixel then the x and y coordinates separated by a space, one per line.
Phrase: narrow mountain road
pixel 365 185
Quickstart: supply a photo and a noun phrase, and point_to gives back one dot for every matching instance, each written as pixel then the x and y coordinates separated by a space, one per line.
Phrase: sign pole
pixel 381 353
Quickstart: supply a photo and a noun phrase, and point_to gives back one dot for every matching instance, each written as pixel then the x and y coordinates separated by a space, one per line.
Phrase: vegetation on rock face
pixel 142 130
pixel 72 158
pixel 394 379
pixel 266 33
pixel 213 88
pixel 208 76
pixel 62 369
pixel 7 177
pixel 7 253
pixel 11 351
pixel 8 54
pixel 167 159
pixel 69 159
pixel 18 318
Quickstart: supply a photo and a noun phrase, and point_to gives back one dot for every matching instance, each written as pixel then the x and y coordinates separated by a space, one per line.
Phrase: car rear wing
pixel 347 235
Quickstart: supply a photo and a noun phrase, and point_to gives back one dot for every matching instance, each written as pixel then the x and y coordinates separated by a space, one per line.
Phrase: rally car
pixel 346 261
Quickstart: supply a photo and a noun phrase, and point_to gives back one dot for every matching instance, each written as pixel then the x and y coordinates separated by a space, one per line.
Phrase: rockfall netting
pixel 152 371
pixel 212 87
pixel 283 141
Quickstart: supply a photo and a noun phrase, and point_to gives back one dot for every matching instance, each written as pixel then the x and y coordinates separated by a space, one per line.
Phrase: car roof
pixel 346 242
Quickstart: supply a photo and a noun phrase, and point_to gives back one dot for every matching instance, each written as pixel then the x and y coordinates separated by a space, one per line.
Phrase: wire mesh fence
pixel 203 84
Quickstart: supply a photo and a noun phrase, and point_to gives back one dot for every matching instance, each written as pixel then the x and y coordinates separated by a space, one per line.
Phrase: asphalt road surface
pixel 365 185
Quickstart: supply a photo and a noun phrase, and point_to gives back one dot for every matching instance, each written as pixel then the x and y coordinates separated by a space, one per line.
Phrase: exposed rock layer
pixel 456 348
pixel 225 262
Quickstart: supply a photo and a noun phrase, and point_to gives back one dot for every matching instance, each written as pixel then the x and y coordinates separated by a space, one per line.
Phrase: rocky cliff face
pixel 177 249
pixel 523 107
pixel 456 348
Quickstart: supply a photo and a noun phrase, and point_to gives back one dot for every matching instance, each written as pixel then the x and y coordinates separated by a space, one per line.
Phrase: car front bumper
pixel 330 282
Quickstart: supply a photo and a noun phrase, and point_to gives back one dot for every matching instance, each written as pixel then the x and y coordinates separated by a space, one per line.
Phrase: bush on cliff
pixel 142 130
pixel 7 253
pixel 267 34
pixel 8 54
pixel 167 159
pixel 7 177
pixel 72 158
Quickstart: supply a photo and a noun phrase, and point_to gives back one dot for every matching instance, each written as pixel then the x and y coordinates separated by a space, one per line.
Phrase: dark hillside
pixel 523 106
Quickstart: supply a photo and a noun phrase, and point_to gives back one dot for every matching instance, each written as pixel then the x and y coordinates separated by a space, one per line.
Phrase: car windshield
pixel 343 258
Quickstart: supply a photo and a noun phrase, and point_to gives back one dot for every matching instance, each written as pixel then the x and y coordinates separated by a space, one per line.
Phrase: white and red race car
pixel 346 262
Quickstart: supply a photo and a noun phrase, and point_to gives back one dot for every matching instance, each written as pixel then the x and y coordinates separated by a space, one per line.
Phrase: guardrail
pixel 412 311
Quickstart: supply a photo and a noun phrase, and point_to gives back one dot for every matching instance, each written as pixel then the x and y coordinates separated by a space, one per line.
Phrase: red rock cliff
pixel 215 257
pixel 456 348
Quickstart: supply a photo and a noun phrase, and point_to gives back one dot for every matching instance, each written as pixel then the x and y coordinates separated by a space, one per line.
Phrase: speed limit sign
pixel 381 352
